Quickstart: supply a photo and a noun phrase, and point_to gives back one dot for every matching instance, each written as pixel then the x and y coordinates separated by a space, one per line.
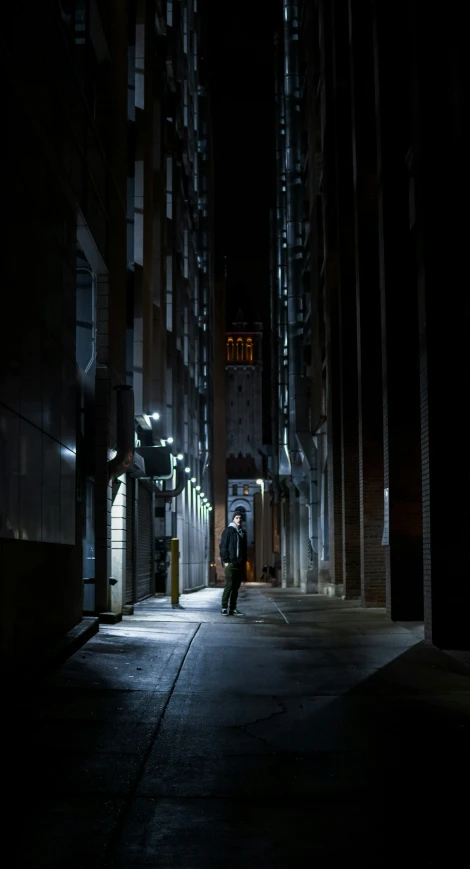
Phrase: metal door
pixel 129 596
pixel 144 575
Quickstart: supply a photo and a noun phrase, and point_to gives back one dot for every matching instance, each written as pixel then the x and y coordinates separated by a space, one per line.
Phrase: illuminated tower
pixel 243 379
pixel 244 397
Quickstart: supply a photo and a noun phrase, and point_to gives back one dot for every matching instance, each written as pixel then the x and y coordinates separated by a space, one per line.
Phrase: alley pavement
pixel 306 733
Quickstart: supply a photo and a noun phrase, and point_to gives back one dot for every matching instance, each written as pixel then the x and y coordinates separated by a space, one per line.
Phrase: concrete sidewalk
pixel 308 729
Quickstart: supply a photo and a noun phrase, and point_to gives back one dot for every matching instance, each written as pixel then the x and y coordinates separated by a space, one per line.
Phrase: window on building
pixel 234 490
pixel 246 490
pixel 230 349
pixel 186 253
pixel 185 30
pixel 248 404
pixel 85 317
pixel 249 350
pixel 185 102
pixel 239 389
pixel 169 187
pixel 169 292
pixel 239 349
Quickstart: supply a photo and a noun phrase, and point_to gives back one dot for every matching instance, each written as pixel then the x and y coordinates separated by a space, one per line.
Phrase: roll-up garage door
pixel 130 548
pixel 144 543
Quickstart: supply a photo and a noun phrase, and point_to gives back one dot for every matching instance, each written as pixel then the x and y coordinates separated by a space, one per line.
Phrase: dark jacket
pixel 233 546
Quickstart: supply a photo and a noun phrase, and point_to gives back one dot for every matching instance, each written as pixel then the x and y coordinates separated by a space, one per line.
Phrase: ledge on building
pixel 65 646
pixel 110 618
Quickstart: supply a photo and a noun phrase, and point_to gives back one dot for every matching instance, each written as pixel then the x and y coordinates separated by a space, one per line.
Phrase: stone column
pixel 351 550
pixel 371 466
pixel 402 538
pixel 438 118
pixel 103 495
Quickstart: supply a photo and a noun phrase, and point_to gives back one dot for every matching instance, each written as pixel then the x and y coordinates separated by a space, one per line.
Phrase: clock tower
pixel 244 432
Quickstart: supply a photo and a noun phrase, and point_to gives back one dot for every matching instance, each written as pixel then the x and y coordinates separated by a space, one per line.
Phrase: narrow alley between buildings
pixel 181 739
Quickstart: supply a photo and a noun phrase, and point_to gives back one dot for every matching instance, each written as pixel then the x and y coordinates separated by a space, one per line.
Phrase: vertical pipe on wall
pixel 274 290
pixel 281 249
pixel 293 212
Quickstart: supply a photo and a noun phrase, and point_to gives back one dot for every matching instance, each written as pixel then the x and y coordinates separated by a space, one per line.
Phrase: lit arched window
pixel 230 349
pixel 249 350
pixel 239 349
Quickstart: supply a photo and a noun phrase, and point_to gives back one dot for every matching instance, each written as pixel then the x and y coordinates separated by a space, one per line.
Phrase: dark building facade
pixel 107 284
pixel 370 309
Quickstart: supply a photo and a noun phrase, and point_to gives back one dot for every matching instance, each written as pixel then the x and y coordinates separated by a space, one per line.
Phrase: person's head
pixel 237 518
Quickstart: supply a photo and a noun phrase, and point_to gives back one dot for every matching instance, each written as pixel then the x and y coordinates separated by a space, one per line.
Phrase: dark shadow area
pixel 127 760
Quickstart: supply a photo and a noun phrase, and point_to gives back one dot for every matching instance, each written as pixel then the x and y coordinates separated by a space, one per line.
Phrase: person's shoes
pixel 236 613
pixel 224 612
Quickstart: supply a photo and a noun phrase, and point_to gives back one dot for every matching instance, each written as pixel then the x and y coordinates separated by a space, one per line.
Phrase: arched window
pixel 239 349
pixel 249 350
pixel 230 349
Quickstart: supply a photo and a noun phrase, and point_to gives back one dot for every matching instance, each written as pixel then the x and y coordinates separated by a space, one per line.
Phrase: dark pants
pixel 234 577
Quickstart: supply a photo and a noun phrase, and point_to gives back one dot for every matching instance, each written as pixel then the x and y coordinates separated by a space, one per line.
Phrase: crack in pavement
pixel 256 721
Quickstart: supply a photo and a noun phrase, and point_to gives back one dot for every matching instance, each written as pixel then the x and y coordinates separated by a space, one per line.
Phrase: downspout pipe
pixel 281 253
pixel 125 446
pixel 168 494
pixel 274 354
pixel 297 387
pixel 275 287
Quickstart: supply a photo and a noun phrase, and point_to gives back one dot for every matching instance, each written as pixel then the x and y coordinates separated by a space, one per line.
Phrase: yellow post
pixel 175 572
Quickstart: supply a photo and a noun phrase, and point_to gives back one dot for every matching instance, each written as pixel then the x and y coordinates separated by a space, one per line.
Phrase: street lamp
pixel 261 484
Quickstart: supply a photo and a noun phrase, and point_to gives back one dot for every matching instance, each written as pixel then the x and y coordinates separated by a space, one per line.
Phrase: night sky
pixel 239 59
pixel 241 84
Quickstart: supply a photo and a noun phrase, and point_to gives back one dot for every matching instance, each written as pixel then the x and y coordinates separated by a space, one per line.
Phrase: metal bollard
pixel 175 564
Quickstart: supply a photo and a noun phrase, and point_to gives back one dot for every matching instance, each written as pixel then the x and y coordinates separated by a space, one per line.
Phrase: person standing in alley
pixel 233 557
